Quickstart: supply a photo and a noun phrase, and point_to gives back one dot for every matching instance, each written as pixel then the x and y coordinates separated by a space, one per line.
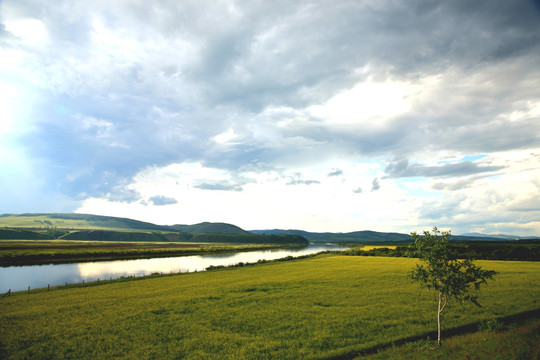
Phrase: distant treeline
pixel 107 235
pixel 140 236
pixel 16 234
pixel 515 250
pixel 249 239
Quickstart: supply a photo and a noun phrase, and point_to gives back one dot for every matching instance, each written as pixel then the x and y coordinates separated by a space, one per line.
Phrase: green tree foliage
pixel 449 277
pixel 53 232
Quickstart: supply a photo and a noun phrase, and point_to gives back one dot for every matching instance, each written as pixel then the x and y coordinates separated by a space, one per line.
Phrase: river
pixel 38 276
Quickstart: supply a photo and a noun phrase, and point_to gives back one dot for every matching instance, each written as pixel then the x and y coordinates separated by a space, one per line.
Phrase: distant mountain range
pixel 499 236
pixel 98 222
pixel 350 237
pixel 367 236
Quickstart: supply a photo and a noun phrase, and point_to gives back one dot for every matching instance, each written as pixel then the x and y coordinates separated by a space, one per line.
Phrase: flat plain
pixel 316 308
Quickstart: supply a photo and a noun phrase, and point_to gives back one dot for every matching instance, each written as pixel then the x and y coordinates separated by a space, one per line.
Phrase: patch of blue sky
pixel 473 157
pixel 495 177
pixel 415 190
pixel 469 158
pixel 413 179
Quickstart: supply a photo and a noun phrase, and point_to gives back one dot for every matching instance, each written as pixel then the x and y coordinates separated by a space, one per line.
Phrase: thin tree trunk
pixel 439 320
pixel 442 304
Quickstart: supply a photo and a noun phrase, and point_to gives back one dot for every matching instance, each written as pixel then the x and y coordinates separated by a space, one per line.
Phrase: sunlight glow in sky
pixel 326 116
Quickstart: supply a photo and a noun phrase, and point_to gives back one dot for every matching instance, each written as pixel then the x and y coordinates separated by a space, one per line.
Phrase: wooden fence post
pixel 49 287
pixel 29 289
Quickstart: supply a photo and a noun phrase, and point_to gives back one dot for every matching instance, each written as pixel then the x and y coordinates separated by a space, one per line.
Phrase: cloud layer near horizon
pixel 326 116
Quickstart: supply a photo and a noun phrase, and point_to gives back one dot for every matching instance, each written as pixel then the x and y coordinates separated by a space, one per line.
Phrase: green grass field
pixel 315 308
pixel 513 341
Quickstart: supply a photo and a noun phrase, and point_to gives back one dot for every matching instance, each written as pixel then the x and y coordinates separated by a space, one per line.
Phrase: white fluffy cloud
pixel 178 112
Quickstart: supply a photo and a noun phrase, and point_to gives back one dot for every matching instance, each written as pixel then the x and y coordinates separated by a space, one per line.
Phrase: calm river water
pixel 21 277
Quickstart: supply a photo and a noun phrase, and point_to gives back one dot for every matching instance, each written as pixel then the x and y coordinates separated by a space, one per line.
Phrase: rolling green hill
pixel 35 221
pixel 75 221
pixel 98 222
pixel 210 228
pixel 41 226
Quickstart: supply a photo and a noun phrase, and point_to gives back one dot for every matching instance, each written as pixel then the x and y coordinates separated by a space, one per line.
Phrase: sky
pixel 336 115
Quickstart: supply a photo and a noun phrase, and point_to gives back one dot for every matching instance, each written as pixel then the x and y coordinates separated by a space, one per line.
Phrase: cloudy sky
pixel 333 115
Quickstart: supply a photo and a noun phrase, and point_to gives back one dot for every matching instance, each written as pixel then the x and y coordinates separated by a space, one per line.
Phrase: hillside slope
pixel 210 228
pixel 75 221
pixel 99 222
pixel 67 226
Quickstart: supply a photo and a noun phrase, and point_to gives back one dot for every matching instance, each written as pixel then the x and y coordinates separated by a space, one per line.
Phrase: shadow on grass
pixel 432 335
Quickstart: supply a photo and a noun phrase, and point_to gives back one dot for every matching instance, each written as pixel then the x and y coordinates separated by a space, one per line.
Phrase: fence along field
pixel 313 308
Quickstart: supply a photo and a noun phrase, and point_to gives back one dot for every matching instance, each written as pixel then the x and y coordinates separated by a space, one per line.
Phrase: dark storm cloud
pixel 303 182
pixel 336 172
pixel 375 185
pixel 162 200
pixel 494 136
pixel 402 168
pixel 219 187
pixel 298 179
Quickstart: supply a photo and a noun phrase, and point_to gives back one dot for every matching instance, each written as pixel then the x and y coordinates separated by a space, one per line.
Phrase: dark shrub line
pixel 479 251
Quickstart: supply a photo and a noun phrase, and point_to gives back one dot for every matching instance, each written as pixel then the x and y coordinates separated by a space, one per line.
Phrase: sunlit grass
pixel 44 221
pixel 371 247
pixel 313 308
pixel 513 342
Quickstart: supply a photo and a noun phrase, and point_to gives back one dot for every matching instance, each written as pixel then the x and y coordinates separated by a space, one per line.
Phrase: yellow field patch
pixel 371 247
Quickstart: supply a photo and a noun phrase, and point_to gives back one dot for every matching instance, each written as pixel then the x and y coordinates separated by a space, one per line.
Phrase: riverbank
pixel 19 278
pixel 33 252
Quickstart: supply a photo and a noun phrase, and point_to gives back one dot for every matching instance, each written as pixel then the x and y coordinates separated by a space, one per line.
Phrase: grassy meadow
pixel 316 308
pixel 42 221
pixel 513 341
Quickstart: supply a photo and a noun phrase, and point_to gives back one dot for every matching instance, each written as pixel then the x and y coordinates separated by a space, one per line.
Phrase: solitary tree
pixel 449 277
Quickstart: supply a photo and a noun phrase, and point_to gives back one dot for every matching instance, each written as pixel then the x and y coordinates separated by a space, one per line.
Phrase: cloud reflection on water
pixel 20 277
